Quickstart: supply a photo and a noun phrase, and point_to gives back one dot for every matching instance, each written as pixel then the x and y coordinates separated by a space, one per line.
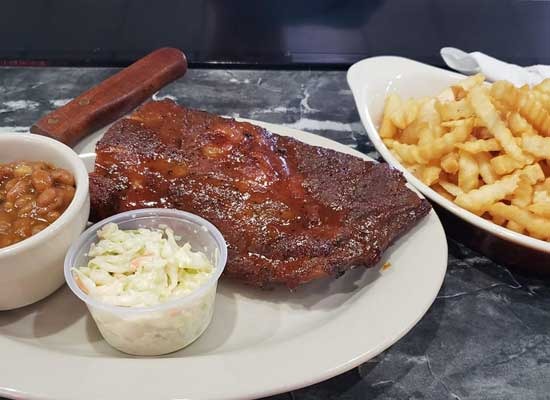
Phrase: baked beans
pixel 33 194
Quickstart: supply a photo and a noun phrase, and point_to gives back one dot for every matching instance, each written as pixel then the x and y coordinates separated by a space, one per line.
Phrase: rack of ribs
pixel 290 212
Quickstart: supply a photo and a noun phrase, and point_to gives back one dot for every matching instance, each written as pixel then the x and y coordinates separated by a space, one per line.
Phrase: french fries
pixel 525 102
pixel 468 172
pixel 478 200
pixel 523 195
pixel 514 226
pixel 486 170
pixel 542 209
pixel 486 111
pixel 485 147
pixel 449 163
pixel 543 87
pixel 404 114
pixel 451 188
pixel 535 225
pixel 446 143
pixel 454 110
pixel 387 128
pixel 429 175
pixel 519 125
pixel 470 82
pixel 480 145
pixel 505 164
pixel 537 146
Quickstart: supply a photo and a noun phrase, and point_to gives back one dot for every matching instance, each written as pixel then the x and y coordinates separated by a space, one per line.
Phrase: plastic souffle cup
pixel 169 326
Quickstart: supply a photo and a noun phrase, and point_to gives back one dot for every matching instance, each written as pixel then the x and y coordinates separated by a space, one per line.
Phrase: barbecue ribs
pixel 290 212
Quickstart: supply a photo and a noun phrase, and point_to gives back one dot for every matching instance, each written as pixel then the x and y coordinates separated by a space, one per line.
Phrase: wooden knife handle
pixel 113 97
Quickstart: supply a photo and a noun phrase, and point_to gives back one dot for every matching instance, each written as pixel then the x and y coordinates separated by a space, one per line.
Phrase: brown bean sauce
pixel 33 194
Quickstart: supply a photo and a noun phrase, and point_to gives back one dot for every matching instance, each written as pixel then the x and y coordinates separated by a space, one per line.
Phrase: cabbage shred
pixel 141 267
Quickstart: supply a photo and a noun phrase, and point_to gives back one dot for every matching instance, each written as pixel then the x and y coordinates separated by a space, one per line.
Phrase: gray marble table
pixel 487 335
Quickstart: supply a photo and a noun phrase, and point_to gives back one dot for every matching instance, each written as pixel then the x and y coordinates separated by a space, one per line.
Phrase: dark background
pixel 295 33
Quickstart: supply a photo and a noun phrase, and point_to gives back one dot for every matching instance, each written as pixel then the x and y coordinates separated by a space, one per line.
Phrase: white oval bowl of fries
pixel 481 151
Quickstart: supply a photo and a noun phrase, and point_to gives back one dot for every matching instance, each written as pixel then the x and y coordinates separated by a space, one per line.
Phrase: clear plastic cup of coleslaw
pixel 169 326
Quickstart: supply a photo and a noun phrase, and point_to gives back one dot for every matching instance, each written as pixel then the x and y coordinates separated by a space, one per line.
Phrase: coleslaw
pixel 141 267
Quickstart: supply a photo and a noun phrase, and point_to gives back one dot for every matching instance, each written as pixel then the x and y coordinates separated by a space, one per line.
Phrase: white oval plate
pixel 371 80
pixel 260 342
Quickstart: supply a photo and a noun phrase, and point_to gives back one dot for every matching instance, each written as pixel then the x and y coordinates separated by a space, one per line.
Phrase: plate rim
pixel 328 373
pixel 359 93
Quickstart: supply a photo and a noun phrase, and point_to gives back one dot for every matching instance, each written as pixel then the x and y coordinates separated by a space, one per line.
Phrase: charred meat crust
pixel 290 212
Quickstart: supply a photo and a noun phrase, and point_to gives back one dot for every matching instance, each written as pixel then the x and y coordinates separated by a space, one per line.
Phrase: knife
pixel 112 98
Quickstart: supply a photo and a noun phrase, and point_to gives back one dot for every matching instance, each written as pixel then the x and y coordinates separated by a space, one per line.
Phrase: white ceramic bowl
pixel 370 81
pixel 33 268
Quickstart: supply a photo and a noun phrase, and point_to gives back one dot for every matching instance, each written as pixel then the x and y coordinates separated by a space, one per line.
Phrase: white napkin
pixel 493 69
